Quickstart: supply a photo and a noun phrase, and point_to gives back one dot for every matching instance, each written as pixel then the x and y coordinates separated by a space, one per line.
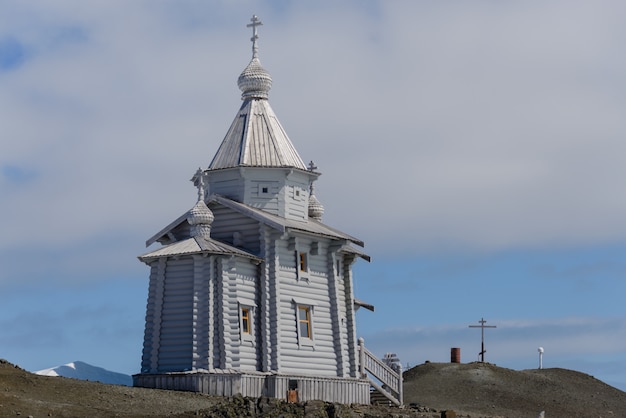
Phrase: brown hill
pixel 476 390
pixel 484 389
pixel 29 395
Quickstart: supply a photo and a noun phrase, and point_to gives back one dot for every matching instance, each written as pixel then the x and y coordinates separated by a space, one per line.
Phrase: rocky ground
pixel 482 389
pixel 471 390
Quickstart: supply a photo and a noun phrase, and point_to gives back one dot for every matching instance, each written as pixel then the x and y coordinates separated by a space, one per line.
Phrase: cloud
pixel 482 128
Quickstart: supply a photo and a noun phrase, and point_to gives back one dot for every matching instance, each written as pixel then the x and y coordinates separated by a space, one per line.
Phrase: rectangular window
pixel 298 194
pixel 264 189
pixel 304 322
pixel 245 321
pixel 303 262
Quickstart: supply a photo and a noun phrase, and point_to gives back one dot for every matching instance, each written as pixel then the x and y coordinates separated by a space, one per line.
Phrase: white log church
pixel 250 292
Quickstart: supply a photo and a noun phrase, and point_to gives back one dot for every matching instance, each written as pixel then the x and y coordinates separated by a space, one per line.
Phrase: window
pixel 264 189
pixel 304 310
pixel 303 262
pixel 304 322
pixel 245 321
pixel 298 194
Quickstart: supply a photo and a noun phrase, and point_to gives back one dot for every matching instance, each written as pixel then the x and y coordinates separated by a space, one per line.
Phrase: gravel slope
pixel 472 390
pixel 485 389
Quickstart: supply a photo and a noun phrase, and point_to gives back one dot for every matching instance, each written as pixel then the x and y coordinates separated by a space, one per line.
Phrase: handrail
pixel 390 378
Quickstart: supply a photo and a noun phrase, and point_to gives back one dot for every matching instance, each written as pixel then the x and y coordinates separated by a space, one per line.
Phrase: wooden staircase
pixel 385 379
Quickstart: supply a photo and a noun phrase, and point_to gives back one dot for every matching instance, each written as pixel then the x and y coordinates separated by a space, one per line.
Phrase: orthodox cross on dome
pixel 255 22
pixel 198 180
pixel 482 327
pixel 312 167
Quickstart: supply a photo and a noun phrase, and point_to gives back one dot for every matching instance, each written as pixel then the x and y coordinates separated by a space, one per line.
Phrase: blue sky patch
pixel 17 175
pixel 12 53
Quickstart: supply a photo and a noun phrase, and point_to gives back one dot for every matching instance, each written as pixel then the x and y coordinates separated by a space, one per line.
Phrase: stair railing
pixel 391 379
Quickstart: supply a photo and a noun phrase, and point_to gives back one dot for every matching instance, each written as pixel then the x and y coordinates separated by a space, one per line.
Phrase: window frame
pixel 298 194
pixel 306 309
pixel 339 266
pixel 309 308
pixel 302 265
pixel 246 327
pixel 248 307
pixel 303 262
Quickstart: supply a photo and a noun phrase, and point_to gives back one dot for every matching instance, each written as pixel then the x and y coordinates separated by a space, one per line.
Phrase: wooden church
pixel 250 292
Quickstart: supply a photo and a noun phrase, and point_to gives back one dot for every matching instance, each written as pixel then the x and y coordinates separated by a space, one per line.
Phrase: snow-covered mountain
pixel 84 371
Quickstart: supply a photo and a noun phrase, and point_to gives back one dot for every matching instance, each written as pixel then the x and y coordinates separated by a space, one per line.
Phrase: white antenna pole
pixel 540 357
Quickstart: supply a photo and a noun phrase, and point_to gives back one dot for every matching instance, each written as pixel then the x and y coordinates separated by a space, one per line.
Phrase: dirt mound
pixel 476 390
pixel 487 390
pixel 25 394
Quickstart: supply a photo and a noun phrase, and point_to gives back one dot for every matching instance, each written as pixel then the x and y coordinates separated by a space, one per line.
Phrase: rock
pixel 315 409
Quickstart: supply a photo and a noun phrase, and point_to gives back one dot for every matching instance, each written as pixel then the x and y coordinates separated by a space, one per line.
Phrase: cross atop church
pixel 255 22
pixel 482 327
pixel 198 180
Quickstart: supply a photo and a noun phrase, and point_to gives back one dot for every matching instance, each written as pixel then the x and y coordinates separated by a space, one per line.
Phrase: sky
pixel 476 147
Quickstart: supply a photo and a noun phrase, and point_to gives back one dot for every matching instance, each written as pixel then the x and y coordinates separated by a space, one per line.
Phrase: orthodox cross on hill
pixel 255 22
pixel 482 327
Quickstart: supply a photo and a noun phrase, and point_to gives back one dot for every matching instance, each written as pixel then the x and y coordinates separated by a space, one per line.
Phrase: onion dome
pixel 254 82
pixel 200 218
pixel 316 210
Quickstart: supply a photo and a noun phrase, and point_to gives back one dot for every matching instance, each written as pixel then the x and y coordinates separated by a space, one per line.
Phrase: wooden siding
pixel 228 222
pixel 267 201
pixel 269 321
pixel 296 207
pixel 198 325
pixel 152 334
pixel 177 317
pixel 245 286
pixel 352 347
pixel 231 188
pixel 181 232
pixel 215 330
pixel 201 305
pixel 335 293
pixel 312 288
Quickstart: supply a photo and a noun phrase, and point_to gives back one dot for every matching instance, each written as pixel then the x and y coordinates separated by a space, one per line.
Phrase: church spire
pixel 254 82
